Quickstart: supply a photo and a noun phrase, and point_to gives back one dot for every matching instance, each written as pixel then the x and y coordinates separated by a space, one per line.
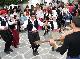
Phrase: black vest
pixel 3 23
pixel 30 25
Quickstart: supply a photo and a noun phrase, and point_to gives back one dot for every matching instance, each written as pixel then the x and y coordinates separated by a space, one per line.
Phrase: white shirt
pixel 54 13
pixel 55 25
pixel 33 29
pixel 65 10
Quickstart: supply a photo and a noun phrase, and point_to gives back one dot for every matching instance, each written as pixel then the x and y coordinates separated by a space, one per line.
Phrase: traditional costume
pixel 5 32
pixel 12 25
pixel 33 35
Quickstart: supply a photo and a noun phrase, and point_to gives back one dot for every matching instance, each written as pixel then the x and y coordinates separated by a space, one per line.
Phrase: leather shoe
pixel 10 50
pixel 7 52
pixel 34 53
pixel 37 53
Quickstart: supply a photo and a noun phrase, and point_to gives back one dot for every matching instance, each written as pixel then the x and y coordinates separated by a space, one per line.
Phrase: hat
pixel 3 12
pixel 0 12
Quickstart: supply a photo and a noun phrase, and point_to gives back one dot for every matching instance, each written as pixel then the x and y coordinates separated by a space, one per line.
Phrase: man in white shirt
pixel 33 35
pixel 5 32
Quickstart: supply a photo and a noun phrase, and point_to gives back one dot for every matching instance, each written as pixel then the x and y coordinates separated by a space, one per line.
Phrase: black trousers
pixel 33 36
pixel 7 37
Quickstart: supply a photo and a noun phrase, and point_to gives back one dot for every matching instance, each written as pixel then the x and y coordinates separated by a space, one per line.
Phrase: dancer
pixel 12 25
pixel 33 35
pixel 5 32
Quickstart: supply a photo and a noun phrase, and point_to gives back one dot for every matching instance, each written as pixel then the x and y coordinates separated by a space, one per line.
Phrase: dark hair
pixel 27 6
pixel 70 4
pixel 37 4
pixel 47 18
pixel 76 21
pixel 50 3
pixel 53 8
pixel 32 13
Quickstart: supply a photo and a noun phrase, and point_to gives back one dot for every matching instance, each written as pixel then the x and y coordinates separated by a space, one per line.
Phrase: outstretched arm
pixel 64 46
pixel 40 41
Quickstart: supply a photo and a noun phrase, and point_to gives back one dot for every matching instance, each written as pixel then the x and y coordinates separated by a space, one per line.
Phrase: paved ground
pixel 25 52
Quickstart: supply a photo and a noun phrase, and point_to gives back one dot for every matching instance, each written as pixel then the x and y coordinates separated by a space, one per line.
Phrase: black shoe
pixel 37 53
pixel 7 52
pixel 34 53
pixel 10 50
pixel 52 48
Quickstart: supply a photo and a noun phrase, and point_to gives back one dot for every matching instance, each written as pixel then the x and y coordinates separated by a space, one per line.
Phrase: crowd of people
pixel 41 17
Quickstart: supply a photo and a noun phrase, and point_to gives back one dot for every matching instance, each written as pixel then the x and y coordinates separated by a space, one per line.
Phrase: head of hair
pixel 27 6
pixel 37 4
pixel 70 4
pixel 50 3
pixel 53 8
pixel 3 12
pixel 32 13
pixel 76 21
pixel 47 18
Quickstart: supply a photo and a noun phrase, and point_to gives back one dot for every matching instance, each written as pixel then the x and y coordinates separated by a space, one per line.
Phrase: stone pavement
pixel 25 52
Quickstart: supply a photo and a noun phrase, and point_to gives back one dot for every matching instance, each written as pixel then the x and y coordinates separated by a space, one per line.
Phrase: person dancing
pixel 12 25
pixel 33 35
pixel 5 32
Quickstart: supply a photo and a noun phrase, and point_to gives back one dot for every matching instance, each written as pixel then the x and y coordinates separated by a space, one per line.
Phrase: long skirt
pixel 15 40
